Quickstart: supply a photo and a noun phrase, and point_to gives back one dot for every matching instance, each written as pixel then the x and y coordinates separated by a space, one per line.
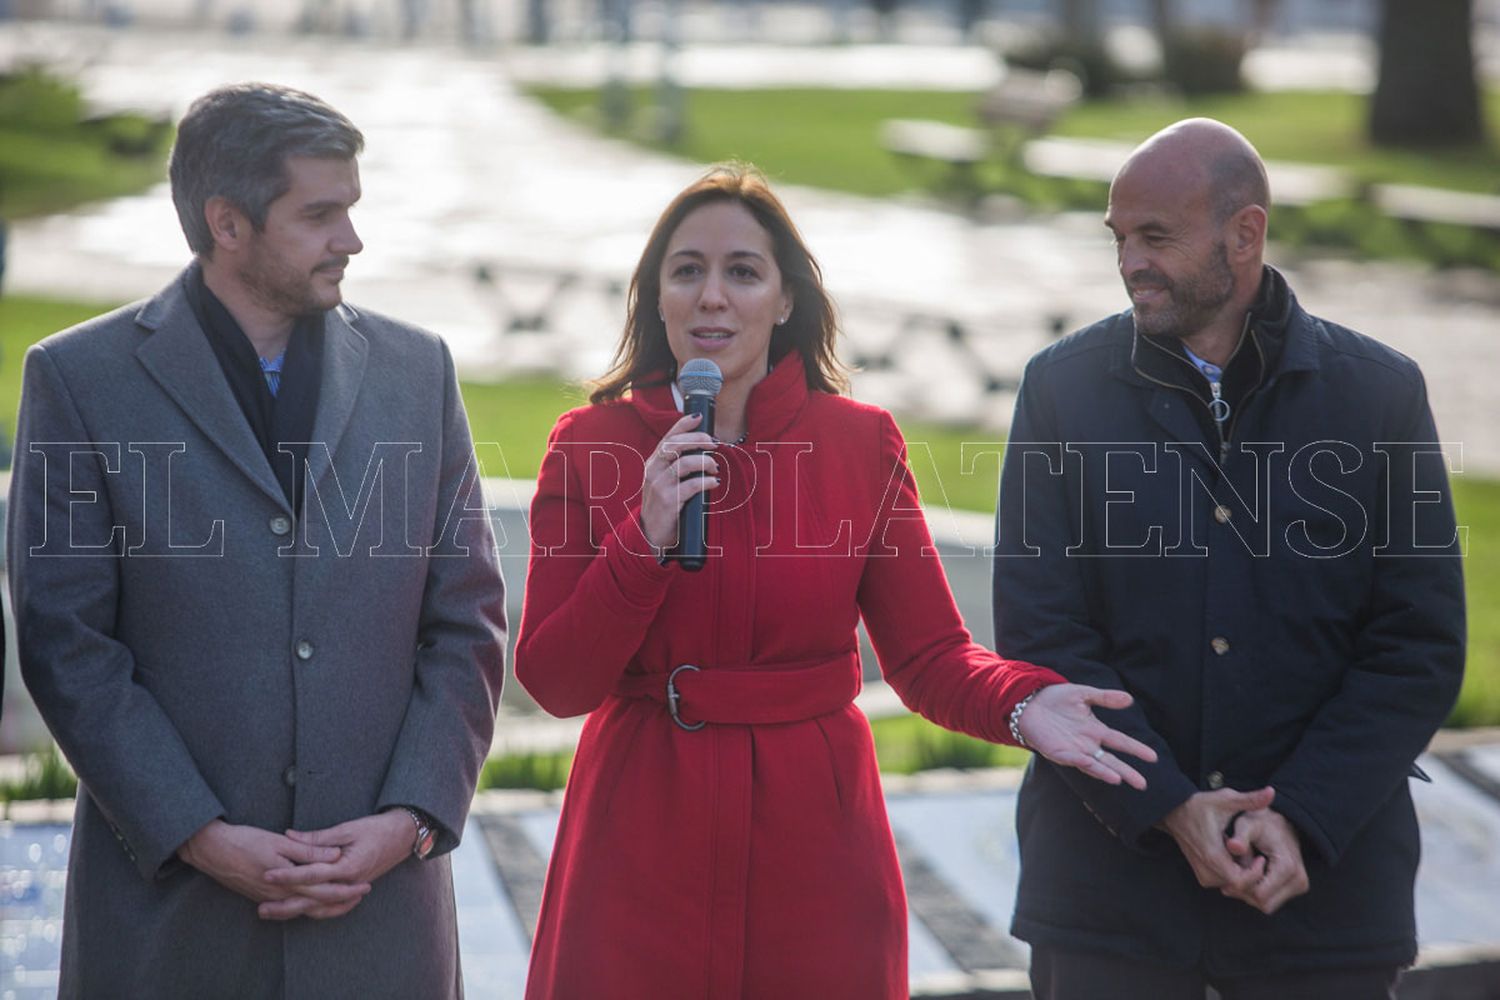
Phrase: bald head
pixel 1188 213
pixel 1205 158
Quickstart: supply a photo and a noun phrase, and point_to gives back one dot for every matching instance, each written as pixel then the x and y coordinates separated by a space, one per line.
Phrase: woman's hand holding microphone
pixel 681 466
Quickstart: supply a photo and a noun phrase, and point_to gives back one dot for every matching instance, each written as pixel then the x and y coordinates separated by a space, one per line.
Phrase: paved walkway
pixel 956 838
pixel 462 168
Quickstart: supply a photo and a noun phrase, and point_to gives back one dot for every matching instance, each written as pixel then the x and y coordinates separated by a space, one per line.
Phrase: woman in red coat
pixel 724 833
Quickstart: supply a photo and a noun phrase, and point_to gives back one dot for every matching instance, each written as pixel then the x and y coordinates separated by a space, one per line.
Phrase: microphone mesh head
pixel 700 377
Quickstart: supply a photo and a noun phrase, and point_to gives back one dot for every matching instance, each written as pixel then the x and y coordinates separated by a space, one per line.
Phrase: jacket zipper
pixel 1216 388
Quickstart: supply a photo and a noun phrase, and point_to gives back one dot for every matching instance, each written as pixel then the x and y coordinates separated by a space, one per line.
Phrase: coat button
pixel 1215 780
pixel 304 650
pixel 289 776
pixel 1219 644
pixel 1222 514
pixel 281 525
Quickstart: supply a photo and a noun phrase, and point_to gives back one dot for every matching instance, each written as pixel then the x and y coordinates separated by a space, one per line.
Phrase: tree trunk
pixel 1164 20
pixel 1426 94
pixel 1080 22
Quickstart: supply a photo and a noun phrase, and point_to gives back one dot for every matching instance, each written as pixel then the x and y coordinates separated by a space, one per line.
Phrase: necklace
pixel 737 441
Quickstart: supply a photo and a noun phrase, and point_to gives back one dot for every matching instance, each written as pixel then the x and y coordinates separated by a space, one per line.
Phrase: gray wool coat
pixel 198 652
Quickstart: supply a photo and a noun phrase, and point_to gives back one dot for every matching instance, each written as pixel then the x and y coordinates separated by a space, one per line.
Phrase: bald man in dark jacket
pixel 1239 513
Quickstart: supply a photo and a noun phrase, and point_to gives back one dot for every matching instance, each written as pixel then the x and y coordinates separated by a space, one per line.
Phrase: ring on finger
pixel 667 454
pixel 1098 754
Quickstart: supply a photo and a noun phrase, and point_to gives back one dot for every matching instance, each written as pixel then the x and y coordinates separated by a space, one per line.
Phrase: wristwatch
pixel 426 833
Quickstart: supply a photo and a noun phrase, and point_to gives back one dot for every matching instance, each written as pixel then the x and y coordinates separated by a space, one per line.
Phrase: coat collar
pixel 178 356
pixel 1288 335
pixel 345 353
pixel 774 403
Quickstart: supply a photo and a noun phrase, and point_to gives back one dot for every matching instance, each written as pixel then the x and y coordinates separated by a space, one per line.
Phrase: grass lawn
pixel 818 137
pixel 830 138
pixel 53 155
pixel 1301 126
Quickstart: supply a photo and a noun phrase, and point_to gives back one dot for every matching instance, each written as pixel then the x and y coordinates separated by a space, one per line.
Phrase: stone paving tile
pixel 1459 884
pixel 967 837
pixel 33 872
pixel 1487 759
pixel 494 946
pixel 958 849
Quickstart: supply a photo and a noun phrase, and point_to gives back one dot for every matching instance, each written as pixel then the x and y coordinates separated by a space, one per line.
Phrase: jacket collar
pixel 1287 339
pixel 345 354
pixel 1300 335
pixel 774 403
pixel 178 357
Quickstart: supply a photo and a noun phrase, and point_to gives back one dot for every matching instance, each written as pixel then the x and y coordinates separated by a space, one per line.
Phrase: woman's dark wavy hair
pixel 811 329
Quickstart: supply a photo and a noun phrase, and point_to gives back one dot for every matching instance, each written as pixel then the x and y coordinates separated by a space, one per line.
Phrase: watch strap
pixel 426 833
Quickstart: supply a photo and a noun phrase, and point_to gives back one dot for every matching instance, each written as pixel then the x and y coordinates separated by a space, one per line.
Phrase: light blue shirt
pixel 272 371
pixel 1210 371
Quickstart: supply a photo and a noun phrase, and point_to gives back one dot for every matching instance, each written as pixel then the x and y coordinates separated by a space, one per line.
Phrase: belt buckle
pixel 673 697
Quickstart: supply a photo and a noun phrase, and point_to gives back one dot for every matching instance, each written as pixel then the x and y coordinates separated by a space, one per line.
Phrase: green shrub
pixel 545 772
pixel 1091 62
pixel 905 744
pixel 1204 61
pixel 53 155
pixel 47 776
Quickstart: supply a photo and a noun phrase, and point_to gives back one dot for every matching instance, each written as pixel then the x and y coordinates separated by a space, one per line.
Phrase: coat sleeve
pixel 1408 657
pixel 925 652
pixel 1041 610
pixel 589 601
pixel 460 660
pixel 127 753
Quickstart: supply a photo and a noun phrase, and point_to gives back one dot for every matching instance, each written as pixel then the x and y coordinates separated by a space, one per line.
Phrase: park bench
pixel 958 148
pixel 1026 104
pixel 1094 162
pixel 1297 185
pixel 1424 210
pixel 1022 105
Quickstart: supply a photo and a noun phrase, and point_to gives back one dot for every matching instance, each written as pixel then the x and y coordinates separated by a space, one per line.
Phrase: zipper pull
pixel 1220 406
pixel 1219 409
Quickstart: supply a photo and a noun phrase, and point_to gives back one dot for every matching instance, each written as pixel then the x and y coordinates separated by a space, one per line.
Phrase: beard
pixel 1192 302
pixel 281 288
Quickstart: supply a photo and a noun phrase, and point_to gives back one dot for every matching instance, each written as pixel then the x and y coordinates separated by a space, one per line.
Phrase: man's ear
pixel 1247 233
pixel 228 226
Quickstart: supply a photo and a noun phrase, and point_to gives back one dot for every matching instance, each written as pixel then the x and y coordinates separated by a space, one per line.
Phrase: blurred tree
pixel 1163 19
pixel 1426 93
pixel 1199 58
pixel 538 23
pixel 885 18
pixel 968 14
pixel 1080 22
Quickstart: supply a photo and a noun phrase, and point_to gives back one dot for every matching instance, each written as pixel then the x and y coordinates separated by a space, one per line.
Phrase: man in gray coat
pixel 258 597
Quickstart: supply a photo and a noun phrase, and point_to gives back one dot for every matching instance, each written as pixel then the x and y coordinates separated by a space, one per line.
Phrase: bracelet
pixel 1015 719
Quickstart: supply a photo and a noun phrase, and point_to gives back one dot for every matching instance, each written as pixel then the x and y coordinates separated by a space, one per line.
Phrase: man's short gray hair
pixel 1237 178
pixel 233 143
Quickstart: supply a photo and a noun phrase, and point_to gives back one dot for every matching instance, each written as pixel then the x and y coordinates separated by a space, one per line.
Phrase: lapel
pixel 178 356
pixel 345 351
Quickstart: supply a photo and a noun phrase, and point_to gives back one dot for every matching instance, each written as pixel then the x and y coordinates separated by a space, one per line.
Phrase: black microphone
pixel 700 381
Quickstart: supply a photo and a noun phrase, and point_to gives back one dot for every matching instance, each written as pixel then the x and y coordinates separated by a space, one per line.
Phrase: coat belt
pixel 765 694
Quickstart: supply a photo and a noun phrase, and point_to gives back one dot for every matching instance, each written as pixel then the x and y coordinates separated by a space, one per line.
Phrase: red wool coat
pixel 751 857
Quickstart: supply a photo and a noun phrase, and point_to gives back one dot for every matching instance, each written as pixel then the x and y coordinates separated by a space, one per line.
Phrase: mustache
pixel 1149 279
pixel 333 264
